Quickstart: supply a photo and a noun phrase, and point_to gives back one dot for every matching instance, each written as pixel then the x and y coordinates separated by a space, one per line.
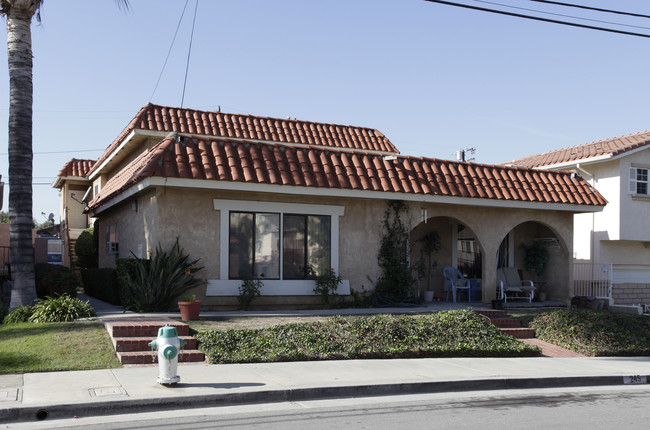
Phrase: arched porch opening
pixel 459 247
pixel 531 246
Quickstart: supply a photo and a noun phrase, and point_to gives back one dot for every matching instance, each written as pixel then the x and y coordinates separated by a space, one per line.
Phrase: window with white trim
pixel 259 244
pixel 638 181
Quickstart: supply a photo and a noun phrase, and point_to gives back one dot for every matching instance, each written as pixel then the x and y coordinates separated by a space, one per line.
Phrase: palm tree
pixel 19 14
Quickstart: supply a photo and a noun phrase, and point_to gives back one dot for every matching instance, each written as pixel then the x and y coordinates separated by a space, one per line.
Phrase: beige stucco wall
pixel 166 213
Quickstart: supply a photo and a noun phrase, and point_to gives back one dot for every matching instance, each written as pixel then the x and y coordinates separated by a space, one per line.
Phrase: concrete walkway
pixel 52 395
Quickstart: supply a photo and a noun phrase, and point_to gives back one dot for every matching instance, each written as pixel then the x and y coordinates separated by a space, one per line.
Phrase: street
pixel 594 407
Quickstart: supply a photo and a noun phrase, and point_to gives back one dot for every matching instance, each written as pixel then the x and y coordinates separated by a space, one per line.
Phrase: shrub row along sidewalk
pixel 442 334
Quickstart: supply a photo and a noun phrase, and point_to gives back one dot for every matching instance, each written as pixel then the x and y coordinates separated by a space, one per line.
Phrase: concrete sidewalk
pixel 55 395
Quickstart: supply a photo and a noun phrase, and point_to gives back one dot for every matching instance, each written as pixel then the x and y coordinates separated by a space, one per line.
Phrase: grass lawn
pixel 30 347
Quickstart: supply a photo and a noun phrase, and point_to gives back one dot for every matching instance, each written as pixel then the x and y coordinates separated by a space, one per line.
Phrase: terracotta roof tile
pixel 220 160
pixel 222 125
pixel 611 147
pixel 76 168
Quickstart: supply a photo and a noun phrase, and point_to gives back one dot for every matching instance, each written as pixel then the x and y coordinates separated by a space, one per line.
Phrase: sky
pixel 433 78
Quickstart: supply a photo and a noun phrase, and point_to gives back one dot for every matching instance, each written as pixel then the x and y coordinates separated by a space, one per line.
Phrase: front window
pixel 255 245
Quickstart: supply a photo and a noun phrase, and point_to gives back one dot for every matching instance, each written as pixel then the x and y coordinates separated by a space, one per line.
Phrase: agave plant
pixel 157 282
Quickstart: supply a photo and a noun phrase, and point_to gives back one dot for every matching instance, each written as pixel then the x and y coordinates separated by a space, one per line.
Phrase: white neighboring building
pixel 618 238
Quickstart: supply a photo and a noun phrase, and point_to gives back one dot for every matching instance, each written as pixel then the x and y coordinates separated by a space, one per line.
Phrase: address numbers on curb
pixel 635 379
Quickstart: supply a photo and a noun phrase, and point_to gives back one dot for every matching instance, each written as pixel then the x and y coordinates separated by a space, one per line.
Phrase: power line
pixel 189 52
pixel 563 15
pixel 592 8
pixel 537 18
pixel 170 50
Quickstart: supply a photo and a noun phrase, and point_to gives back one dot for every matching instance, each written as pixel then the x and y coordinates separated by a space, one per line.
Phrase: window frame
pixel 223 286
pixel 634 181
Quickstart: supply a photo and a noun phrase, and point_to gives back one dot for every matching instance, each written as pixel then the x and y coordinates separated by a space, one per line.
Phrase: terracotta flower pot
pixel 190 310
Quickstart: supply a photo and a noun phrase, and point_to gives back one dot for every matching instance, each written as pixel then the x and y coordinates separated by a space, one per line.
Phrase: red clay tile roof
pixel 224 160
pixel 76 167
pixel 236 126
pixel 613 147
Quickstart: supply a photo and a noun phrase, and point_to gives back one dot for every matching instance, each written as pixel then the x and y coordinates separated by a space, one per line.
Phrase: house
pixel 614 242
pixel 264 197
pixel 73 185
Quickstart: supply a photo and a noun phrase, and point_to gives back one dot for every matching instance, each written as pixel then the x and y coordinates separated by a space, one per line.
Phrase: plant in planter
pixel 190 308
pixel 536 258
pixel 326 285
pixel 248 290
pixel 430 244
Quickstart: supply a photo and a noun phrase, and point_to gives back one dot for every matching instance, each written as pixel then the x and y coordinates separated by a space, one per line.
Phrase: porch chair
pixel 512 287
pixel 454 281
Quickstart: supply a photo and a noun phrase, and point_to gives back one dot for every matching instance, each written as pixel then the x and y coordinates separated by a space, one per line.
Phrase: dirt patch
pixel 249 323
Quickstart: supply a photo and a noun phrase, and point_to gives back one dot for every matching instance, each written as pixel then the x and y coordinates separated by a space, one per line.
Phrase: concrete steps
pixel 511 326
pixel 131 337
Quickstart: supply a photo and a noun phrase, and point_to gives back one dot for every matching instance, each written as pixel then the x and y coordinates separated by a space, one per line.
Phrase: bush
pixel 19 315
pixel 326 285
pixel 60 309
pixel 3 312
pixel 160 280
pixel 102 284
pixel 595 333
pixel 442 334
pixel 86 249
pixel 54 280
pixel 125 268
pixel 248 290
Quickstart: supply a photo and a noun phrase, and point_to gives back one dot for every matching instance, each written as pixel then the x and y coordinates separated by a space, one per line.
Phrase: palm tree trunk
pixel 19 46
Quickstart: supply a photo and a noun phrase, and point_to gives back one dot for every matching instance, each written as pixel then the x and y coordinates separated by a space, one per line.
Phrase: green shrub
pixel 60 309
pixel 326 285
pixel 86 249
pixel 442 334
pixel 595 333
pixel 248 290
pixel 54 280
pixel 160 280
pixel 19 315
pixel 102 284
pixel 125 268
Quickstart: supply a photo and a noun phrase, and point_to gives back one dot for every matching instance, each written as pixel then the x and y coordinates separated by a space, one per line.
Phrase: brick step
pixel 128 344
pixel 151 357
pixel 506 322
pixel 520 333
pixel 148 328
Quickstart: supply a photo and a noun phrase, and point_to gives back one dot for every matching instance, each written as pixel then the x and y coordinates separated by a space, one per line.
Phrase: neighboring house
pixel 616 240
pixel 74 186
pixel 264 197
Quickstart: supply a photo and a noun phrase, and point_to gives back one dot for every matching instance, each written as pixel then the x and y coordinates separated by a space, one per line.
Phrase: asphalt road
pixel 597 408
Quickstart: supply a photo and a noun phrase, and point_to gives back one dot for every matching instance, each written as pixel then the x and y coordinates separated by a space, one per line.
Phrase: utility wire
pixel 537 18
pixel 592 8
pixel 563 15
pixel 189 52
pixel 170 51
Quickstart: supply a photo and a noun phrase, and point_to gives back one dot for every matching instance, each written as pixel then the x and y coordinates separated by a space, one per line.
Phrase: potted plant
pixel 430 245
pixel 190 308
pixel 536 258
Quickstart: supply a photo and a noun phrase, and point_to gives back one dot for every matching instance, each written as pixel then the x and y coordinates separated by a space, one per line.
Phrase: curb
pixel 116 407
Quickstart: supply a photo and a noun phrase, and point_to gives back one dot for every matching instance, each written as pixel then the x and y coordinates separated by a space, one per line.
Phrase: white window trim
pixel 230 287
pixel 632 181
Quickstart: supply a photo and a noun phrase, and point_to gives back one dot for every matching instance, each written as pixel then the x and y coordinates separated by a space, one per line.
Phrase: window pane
pixel 642 188
pixel 240 253
pixel 293 252
pixel 267 246
pixel 642 175
pixel 319 243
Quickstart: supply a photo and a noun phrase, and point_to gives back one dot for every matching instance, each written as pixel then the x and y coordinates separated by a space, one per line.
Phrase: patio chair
pixel 512 287
pixel 454 282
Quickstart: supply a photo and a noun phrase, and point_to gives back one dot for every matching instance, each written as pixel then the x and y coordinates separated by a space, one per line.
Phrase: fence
pixel 592 279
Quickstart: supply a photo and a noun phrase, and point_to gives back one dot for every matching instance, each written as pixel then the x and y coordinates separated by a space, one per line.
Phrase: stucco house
pixel 263 197
pixel 615 242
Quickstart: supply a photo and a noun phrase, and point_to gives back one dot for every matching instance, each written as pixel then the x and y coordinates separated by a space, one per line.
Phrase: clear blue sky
pixel 433 78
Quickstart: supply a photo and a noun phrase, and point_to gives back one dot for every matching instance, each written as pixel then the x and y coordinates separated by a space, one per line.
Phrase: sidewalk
pixel 114 391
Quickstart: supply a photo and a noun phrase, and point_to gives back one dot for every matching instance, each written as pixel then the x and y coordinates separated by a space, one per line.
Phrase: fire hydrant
pixel 168 345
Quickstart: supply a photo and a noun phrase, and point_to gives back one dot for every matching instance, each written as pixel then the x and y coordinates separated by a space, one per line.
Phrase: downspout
pixel 593 219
